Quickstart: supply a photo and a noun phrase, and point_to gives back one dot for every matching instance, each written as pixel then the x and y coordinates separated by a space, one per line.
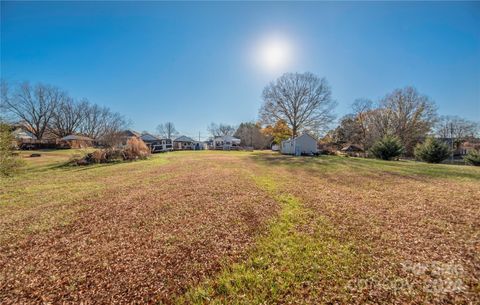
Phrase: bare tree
pixel 167 130
pixel 406 114
pixel 68 117
pixel 220 130
pixel 362 109
pixel 100 122
pixel 302 100
pixel 33 106
pixel 456 127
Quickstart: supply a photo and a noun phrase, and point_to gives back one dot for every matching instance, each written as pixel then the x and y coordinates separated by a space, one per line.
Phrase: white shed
pixel 301 145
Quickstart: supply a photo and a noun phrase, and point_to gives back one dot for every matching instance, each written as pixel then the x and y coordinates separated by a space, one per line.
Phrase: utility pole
pixel 451 141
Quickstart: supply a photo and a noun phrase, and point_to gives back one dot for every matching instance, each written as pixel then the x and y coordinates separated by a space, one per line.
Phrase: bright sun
pixel 274 54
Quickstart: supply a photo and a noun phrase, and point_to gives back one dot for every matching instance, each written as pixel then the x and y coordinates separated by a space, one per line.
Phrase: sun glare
pixel 274 54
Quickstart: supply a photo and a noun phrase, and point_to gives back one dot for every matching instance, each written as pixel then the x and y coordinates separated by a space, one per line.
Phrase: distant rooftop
pixel 73 137
pixel 184 139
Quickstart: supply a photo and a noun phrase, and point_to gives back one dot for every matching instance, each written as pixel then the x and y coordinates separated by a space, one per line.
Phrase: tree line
pixel 46 111
pixel 303 102
pixel 406 114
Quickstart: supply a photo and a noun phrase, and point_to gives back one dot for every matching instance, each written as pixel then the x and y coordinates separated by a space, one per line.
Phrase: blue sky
pixel 195 63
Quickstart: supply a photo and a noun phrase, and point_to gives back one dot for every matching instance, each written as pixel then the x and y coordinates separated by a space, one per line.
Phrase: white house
pixel 226 143
pixel 301 145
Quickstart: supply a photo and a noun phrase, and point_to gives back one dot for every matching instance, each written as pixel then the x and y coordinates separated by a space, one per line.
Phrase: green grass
pixel 301 257
pixel 47 183
pixel 286 264
pixel 332 164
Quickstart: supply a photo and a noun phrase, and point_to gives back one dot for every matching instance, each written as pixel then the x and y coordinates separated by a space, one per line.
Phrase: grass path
pixel 287 264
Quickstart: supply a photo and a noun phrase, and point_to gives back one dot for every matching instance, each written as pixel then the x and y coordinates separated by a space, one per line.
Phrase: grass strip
pixel 287 264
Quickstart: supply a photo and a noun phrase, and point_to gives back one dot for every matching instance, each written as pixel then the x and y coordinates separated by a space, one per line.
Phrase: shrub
pixel 136 149
pixel 9 162
pixel 473 157
pixel 387 148
pixel 432 151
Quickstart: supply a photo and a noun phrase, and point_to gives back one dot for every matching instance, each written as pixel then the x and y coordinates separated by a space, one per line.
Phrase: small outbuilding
pixel 301 145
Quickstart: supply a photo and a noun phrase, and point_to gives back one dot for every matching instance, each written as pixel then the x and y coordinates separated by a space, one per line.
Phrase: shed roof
pixel 300 136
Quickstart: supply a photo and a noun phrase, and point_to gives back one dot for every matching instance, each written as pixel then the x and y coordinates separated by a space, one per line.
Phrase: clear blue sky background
pixel 189 63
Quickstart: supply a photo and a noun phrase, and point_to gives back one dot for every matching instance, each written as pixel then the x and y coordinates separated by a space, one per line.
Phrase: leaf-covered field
pixel 240 228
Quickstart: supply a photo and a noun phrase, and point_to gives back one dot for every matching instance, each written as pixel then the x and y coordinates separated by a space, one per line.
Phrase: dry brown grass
pixel 350 231
pixel 144 242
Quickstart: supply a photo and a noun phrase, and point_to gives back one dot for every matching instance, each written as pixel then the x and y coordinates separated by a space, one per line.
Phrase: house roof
pixel 300 136
pixel 149 138
pixel 73 137
pixel 130 133
pixel 184 139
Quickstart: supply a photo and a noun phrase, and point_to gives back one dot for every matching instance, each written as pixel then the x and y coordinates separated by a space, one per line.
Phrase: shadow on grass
pixel 331 164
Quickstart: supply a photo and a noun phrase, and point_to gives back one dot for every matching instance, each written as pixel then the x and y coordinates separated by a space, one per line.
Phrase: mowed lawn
pixel 240 228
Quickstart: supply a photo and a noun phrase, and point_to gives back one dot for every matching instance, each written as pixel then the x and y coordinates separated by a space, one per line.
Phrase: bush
pixel 473 157
pixel 387 148
pixel 432 151
pixel 9 162
pixel 136 149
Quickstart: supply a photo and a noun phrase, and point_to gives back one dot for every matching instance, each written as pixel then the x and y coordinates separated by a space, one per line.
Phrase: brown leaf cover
pixel 142 243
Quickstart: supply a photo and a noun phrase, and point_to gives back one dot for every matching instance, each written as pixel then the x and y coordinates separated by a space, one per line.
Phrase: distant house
pixel 199 145
pixel 301 145
pixel 156 144
pixel 126 135
pixel 76 141
pixel 153 143
pixel 21 134
pixel 183 143
pixel 353 150
pixel 465 147
pixel 462 148
pixel 226 143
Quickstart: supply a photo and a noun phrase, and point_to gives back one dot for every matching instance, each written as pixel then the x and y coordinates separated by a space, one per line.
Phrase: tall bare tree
pixel 167 130
pixel 302 100
pixel 406 114
pixel 362 109
pixel 68 117
pixel 99 122
pixel 220 130
pixel 33 106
